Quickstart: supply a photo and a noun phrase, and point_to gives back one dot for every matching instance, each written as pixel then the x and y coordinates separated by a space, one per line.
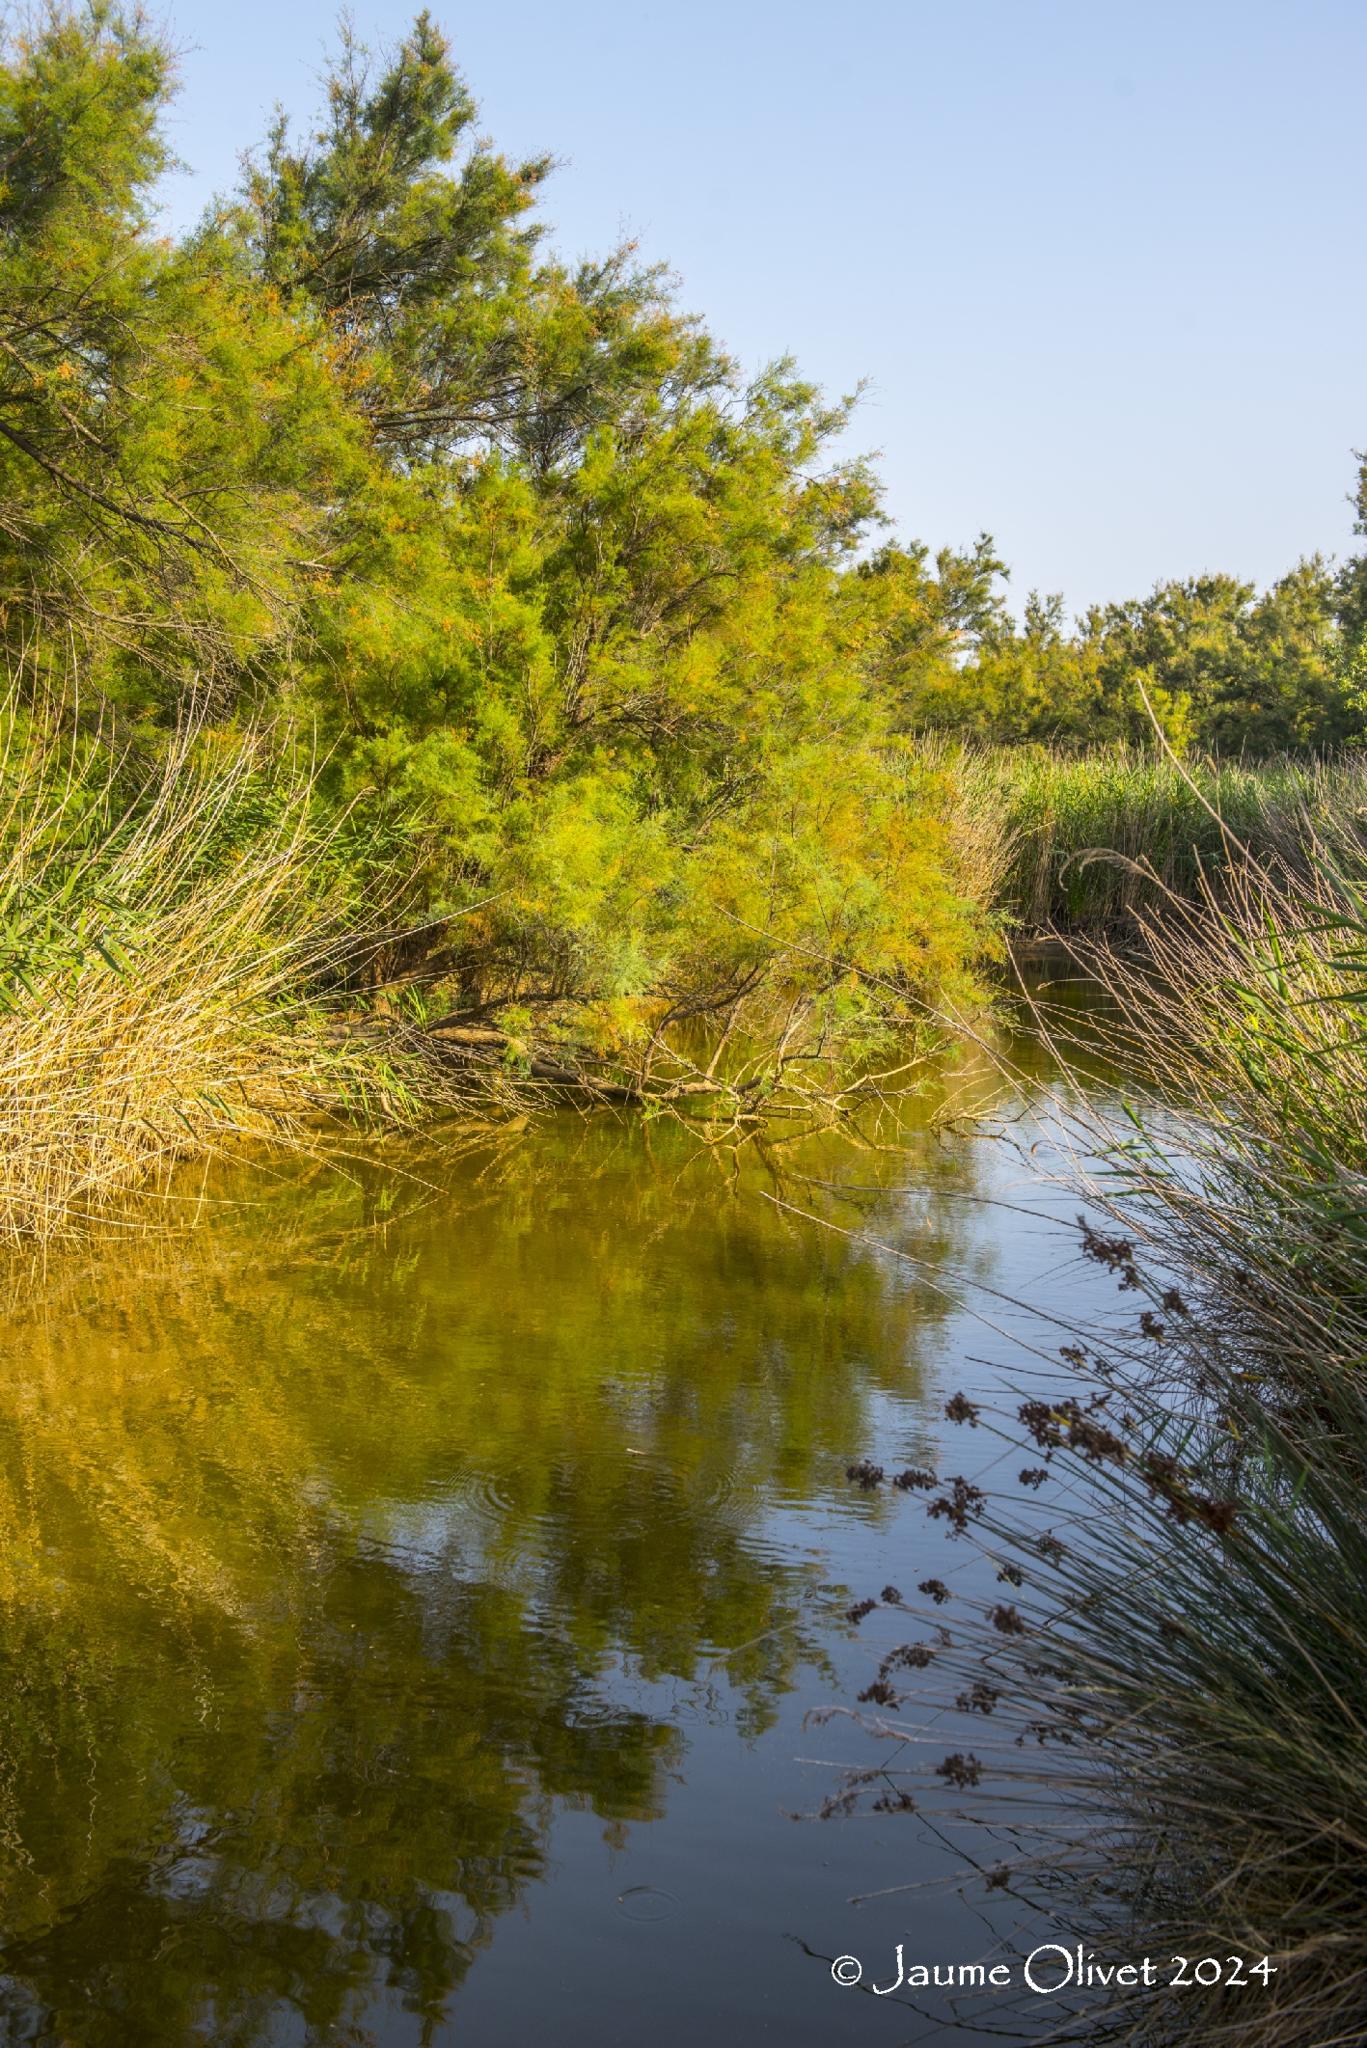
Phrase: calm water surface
pixel 414 1589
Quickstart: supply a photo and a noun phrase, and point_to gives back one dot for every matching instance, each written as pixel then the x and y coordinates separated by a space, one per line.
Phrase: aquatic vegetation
pixel 1179 1672
pixel 437 675
pixel 1101 836
pixel 619 720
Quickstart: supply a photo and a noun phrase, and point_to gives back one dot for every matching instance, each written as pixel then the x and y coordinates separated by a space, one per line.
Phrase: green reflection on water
pixel 329 1532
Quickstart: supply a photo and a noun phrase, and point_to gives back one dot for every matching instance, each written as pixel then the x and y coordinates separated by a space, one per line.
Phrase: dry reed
pixel 173 945
pixel 1161 1704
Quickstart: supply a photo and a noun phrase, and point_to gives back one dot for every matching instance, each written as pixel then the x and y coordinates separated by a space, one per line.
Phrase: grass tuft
pixel 1173 1720
pixel 176 946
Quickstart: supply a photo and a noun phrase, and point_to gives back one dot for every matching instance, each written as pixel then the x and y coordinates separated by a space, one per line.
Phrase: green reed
pixel 1097 838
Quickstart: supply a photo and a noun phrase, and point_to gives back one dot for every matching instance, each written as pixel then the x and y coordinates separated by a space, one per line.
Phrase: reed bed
pixel 1166 1696
pixel 175 948
pixel 1097 840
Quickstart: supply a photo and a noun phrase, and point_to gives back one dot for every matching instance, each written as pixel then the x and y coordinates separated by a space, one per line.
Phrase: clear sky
pixel 1101 263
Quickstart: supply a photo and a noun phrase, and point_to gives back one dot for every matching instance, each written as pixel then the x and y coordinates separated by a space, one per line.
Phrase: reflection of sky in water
pixel 436 1616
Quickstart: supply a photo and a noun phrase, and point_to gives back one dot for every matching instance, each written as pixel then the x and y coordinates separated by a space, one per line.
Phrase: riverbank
pixel 205 943
pixel 1178 1631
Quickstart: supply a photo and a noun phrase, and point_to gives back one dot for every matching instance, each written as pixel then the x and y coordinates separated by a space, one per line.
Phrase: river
pixel 416 1578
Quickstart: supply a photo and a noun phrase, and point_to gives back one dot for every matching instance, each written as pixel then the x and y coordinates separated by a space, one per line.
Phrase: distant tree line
pixel 1220 664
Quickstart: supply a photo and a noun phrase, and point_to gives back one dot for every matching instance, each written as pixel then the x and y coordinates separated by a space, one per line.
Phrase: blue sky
pixel 1101 264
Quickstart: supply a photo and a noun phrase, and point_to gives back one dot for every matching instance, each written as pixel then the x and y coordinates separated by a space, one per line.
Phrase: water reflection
pixel 346 1543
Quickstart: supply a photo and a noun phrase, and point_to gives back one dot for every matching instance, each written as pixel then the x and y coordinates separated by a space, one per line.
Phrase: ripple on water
pixel 646 1902
pixel 650 1493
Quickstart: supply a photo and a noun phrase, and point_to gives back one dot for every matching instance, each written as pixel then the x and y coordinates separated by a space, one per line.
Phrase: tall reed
pixel 172 942
pixel 1168 1684
pixel 1097 839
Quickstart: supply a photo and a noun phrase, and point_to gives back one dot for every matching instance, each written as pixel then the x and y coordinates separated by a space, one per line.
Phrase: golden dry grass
pixel 168 947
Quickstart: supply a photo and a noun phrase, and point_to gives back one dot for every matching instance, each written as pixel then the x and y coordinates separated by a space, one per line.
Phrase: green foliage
pixel 177 940
pixel 920 632
pixel 1226 1678
pixel 1215 663
pixel 420 274
pixel 1097 838
pixel 1351 602
pixel 588 625
pixel 161 428
pixel 562 595
pixel 1170 1692
pixel 1238 669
